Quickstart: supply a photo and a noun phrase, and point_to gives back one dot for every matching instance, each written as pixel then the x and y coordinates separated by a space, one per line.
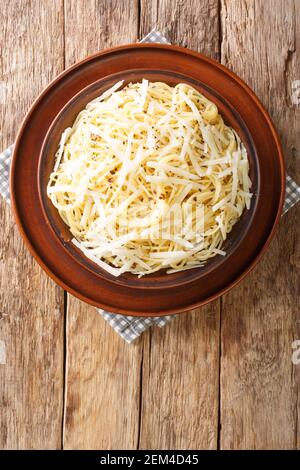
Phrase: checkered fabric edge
pixel 155 36
pixel 5 158
pixel 129 327
pixel 292 194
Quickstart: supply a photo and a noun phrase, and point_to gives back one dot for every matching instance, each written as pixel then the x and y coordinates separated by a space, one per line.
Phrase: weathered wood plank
pixel 102 383
pixel 31 306
pixel 188 23
pixel 103 372
pixel 92 25
pixel 180 393
pixel 260 318
pixel 180 386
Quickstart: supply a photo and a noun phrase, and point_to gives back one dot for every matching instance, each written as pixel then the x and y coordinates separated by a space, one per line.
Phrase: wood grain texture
pixel 102 383
pixel 180 386
pixel 260 318
pixel 31 306
pixel 103 372
pixel 92 25
pixel 180 393
pixel 188 23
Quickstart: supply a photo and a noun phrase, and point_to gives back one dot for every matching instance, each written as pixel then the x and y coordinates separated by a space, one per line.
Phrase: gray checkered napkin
pixel 128 327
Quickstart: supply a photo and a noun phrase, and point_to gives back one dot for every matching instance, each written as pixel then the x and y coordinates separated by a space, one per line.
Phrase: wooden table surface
pixel 218 377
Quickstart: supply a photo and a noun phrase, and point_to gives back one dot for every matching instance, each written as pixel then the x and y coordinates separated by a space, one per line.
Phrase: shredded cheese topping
pixel 139 156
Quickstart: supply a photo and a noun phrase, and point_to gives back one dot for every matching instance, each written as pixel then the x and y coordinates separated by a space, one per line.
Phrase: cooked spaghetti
pixel 138 154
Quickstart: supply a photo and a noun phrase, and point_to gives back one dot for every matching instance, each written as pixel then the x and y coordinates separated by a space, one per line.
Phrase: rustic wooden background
pixel 219 377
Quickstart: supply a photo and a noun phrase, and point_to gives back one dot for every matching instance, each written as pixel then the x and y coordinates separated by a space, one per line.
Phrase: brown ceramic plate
pixel 67 117
pixel 49 240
